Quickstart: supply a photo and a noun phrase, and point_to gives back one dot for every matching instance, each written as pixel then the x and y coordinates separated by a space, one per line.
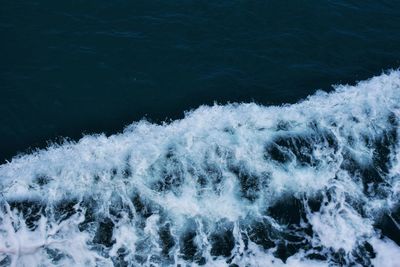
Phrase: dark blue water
pixel 316 183
pixel 74 67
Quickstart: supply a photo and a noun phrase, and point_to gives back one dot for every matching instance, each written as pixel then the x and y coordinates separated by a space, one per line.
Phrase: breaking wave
pixel 311 184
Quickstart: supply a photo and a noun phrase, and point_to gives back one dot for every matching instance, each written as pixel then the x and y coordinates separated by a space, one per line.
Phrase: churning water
pixel 310 184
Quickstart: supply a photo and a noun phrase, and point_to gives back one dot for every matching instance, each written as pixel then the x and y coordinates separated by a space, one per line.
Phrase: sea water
pixel 316 183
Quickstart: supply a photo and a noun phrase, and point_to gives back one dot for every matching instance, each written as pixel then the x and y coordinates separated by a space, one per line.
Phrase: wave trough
pixel 311 184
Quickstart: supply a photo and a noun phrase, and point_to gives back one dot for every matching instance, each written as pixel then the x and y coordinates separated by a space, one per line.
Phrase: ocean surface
pixel 199 133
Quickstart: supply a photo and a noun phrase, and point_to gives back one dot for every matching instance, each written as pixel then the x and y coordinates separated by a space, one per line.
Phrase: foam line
pixel 313 183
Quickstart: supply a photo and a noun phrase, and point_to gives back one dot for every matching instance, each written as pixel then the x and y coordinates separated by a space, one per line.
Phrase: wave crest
pixel 311 183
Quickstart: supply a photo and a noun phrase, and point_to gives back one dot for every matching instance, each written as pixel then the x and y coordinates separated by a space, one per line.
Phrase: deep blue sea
pixel 199 133
pixel 97 65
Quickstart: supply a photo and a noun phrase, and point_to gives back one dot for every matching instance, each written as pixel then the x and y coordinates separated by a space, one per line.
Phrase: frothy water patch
pixel 311 184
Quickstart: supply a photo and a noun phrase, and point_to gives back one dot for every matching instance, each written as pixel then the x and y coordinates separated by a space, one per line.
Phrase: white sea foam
pixel 232 184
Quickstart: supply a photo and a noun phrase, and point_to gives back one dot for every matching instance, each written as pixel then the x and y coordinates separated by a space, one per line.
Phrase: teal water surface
pixel 74 67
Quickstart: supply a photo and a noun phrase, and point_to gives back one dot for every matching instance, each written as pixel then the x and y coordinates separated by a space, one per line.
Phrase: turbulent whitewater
pixel 311 184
